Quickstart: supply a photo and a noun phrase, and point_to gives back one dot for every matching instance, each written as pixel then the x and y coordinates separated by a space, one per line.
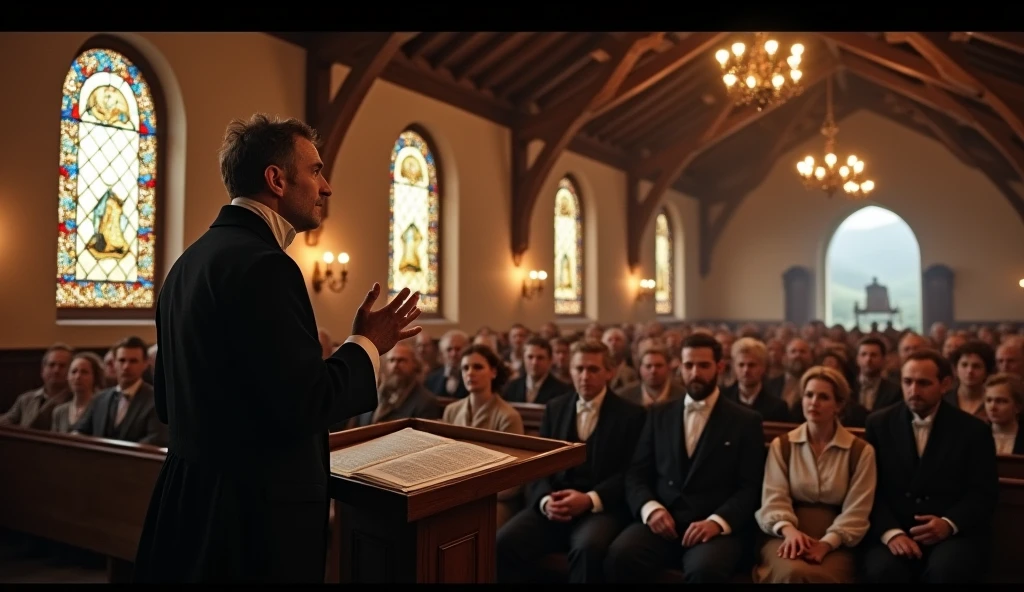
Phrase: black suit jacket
pixel 435 383
pixel 515 392
pixel 888 393
pixel 140 423
pixel 767 403
pixel 956 478
pixel 241 382
pixel 724 477
pixel 608 449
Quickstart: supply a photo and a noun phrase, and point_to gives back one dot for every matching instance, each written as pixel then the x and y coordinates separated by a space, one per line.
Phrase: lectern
pixel 444 533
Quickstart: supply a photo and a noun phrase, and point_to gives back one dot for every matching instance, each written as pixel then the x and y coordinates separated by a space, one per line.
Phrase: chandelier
pixel 829 178
pixel 759 76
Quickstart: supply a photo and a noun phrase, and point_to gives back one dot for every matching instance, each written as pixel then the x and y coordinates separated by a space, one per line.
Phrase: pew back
pixel 87 492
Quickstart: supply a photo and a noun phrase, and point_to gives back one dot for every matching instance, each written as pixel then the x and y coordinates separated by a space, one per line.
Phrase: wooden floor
pixel 22 563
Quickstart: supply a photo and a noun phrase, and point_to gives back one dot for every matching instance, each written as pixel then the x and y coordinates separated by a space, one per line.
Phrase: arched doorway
pixel 873 244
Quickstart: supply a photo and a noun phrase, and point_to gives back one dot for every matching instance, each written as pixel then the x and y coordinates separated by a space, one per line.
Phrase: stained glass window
pixel 107 185
pixel 568 250
pixel 663 261
pixel 413 253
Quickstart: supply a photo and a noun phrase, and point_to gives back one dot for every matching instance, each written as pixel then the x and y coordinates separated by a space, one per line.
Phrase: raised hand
pixel 386 326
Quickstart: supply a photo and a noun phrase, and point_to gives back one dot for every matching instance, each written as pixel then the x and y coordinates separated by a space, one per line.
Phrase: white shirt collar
pixel 709 401
pixel 283 231
pixel 594 404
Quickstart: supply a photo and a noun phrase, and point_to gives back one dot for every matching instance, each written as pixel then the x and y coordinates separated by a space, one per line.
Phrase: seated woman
pixel 85 376
pixel 819 486
pixel 1004 401
pixel 485 375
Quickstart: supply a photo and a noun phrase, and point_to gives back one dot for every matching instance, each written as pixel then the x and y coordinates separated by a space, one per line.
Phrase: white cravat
pixel 283 231
pixel 696 417
pixel 922 429
pixel 586 415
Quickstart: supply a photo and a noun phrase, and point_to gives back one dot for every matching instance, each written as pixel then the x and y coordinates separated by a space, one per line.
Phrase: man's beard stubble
pixel 698 389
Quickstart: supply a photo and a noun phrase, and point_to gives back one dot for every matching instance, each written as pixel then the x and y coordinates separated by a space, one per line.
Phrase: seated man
pixel 401 393
pixel 937 483
pixel 126 411
pixel 578 510
pixel 694 482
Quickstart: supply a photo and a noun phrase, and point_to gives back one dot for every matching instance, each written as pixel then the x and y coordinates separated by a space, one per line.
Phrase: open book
pixel 410 459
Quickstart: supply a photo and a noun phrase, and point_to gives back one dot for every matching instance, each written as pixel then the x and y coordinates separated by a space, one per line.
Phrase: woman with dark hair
pixel 86 376
pixel 485 375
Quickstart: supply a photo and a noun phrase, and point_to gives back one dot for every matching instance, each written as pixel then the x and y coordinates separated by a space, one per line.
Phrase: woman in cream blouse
pixel 85 377
pixel 485 375
pixel 1004 401
pixel 816 500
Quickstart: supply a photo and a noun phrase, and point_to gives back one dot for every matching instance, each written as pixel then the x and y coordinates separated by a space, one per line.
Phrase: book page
pixel 434 465
pixel 347 461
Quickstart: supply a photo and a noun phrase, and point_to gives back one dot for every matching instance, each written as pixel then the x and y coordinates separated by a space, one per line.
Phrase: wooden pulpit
pixel 444 533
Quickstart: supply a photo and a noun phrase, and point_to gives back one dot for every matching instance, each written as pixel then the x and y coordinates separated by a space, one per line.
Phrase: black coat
pixel 247 397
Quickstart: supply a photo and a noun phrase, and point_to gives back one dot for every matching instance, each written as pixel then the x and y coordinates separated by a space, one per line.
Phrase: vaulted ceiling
pixel 653 104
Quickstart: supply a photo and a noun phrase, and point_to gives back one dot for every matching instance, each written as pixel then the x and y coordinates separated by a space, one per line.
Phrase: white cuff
pixel 371 350
pixel 721 522
pixel 891 534
pixel 598 506
pixel 543 502
pixel 832 540
pixel 648 509
pixel 950 522
pixel 777 529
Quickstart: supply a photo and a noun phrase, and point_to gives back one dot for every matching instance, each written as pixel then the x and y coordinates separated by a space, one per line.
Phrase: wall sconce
pixel 335 282
pixel 534 283
pixel 645 290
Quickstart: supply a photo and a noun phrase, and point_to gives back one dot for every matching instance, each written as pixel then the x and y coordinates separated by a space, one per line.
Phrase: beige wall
pixel 959 217
pixel 210 79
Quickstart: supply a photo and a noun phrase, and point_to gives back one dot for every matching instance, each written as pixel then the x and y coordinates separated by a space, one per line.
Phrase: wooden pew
pixel 87 492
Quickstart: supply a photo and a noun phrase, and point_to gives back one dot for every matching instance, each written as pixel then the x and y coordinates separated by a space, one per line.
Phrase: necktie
pixel 586 416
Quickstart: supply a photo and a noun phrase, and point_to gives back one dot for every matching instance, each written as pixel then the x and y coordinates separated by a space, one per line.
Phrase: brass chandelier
pixel 849 177
pixel 759 76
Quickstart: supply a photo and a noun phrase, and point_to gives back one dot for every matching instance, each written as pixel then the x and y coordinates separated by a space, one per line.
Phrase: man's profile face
pixel 305 190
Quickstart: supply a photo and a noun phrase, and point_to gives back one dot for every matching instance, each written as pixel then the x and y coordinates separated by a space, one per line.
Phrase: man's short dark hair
pixel 251 146
pixel 875 341
pixel 697 340
pixel 132 343
pixel 538 341
pixel 945 368
pixel 978 348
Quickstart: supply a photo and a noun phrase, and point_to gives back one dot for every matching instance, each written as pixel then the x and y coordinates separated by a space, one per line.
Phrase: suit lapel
pixel 906 443
pixel 711 434
pixel 134 409
pixel 673 416
pixel 106 410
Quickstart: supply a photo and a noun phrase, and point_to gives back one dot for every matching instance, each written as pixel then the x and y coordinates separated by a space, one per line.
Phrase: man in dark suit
pixel 402 394
pixel 578 510
pixel 656 384
pixel 537 384
pixel 694 482
pixel 872 390
pixel 750 362
pixel 242 383
pixel 937 483
pixel 446 381
pixel 126 411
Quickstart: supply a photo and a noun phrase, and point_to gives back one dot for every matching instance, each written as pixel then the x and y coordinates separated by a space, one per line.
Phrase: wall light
pixel 645 290
pixel 533 283
pixel 1021 283
pixel 335 282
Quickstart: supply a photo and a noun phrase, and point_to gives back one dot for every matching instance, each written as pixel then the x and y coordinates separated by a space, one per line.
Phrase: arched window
pixel 568 249
pixel 663 265
pixel 414 250
pixel 109 186
pixel 873 272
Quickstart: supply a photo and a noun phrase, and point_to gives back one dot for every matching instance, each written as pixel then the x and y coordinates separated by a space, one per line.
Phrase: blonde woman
pixel 819 487
pixel 484 375
pixel 1004 401
pixel 86 375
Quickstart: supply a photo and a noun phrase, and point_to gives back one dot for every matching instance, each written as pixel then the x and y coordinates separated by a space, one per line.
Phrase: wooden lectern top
pixel 535 458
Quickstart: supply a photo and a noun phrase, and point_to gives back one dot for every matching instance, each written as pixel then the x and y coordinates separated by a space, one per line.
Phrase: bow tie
pixel 692 405
pixel 922 423
pixel 582 405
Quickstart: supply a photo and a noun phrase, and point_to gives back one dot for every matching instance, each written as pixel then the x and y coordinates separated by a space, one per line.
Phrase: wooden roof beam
pixel 991 128
pixel 1004 97
pixel 1008 41
pixel 563 122
pixel 671 163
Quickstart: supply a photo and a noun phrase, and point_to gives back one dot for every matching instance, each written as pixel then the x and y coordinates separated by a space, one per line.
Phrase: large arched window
pixel 663 265
pixel 109 187
pixel 568 249
pixel 414 250
pixel 873 269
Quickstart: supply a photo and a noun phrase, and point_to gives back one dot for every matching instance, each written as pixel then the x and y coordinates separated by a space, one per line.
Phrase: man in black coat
pixel 937 483
pixel 694 482
pixel 241 381
pixel 578 510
